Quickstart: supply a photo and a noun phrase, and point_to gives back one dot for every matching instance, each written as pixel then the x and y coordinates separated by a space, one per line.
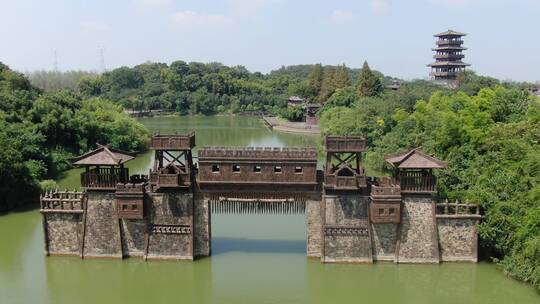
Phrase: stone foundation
pixel 202 226
pixel 458 239
pixel 171 219
pixel 314 224
pixel 62 232
pixel 346 232
pixel 132 232
pixel 417 241
pixel 102 227
pixel 384 237
pixel 177 225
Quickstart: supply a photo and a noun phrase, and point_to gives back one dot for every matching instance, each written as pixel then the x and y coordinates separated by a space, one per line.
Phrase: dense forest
pixel 40 132
pixel 199 88
pixel 488 131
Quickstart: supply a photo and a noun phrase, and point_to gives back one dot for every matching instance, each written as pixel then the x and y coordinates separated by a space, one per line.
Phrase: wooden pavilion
pixel 104 168
pixel 414 171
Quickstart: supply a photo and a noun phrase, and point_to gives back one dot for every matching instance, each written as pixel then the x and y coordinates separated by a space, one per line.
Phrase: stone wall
pixel 346 229
pixel 202 229
pixel 314 228
pixel 171 212
pixel 384 237
pixel 458 239
pixel 62 233
pixel 132 232
pixel 417 241
pixel 102 231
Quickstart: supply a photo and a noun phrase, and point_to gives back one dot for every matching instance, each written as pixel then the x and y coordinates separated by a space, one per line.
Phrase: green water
pixel 256 259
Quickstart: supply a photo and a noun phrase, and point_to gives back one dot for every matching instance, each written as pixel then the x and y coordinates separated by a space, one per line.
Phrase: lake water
pixel 256 258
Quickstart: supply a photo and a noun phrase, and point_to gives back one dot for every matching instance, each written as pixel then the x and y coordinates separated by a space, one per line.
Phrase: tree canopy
pixel 40 131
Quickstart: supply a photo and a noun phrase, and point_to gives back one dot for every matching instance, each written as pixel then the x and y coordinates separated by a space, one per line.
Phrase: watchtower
pixel 173 161
pixel 343 169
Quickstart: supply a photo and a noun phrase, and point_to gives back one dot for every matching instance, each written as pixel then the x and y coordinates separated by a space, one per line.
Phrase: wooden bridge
pixel 258 179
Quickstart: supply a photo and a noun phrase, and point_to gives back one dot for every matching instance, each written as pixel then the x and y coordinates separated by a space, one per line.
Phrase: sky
pixel 394 36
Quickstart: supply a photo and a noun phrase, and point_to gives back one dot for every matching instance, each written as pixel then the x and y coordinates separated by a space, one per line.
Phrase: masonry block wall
pixel 62 233
pixel 417 241
pixel 202 228
pixel 458 239
pixel 346 230
pixel 101 236
pixel 177 225
pixel 314 228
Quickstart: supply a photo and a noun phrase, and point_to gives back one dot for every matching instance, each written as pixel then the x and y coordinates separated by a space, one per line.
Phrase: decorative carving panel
pixel 171 229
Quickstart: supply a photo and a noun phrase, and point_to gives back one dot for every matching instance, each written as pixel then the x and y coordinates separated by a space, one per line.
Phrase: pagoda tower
pixel 448 57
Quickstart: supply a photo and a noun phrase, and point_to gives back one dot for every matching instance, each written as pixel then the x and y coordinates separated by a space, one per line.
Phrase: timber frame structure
pixel 350 217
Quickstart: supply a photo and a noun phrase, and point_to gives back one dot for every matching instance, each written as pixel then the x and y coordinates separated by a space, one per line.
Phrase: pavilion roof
pixel 103 156
pixel 415 159
pixel 450 33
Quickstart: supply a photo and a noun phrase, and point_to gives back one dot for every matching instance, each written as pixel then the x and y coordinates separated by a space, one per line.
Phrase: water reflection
pixel 221 245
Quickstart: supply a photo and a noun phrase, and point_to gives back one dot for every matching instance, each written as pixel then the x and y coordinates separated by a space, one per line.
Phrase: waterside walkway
pixel 282 125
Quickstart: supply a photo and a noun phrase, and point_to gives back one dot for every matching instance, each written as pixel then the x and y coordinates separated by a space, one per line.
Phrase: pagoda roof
pixel 103 156
pixel 448 63
pixel 415 159
pixel 450 48
pixel 450 33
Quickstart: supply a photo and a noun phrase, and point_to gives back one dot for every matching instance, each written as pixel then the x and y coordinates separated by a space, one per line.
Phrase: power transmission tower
pixel 102 61
pixel 55 61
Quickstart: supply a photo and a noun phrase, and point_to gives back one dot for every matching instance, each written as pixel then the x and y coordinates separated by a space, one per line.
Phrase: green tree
pixel 315 80
pixel 328 86
pixel 368 83
pixel 341 77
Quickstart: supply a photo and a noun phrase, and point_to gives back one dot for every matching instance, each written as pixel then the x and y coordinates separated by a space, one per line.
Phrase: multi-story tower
pixel 448 57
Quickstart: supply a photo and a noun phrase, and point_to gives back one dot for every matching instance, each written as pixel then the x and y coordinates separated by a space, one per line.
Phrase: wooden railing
pixel 173 142
pixel 387 190
pixel 62 202
pixel 417 182
pixel 170 180
pixel 104 178
pixel 345 144
pixel 457 209
pixel 344 182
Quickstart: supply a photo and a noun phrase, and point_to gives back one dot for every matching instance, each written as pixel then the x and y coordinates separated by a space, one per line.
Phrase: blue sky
pixel 394 36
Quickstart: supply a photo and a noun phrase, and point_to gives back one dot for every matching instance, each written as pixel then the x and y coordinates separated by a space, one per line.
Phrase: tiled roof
pixel 103 156
pixel 415 159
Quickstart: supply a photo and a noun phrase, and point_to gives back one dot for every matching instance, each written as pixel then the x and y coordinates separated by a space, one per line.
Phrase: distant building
pixel 311 114
pixel 394 86
pixel 536 91
pixel 448 57
pixel 294 101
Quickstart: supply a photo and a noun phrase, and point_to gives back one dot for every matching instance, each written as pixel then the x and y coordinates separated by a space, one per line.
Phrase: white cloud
pixel 452 2
pixel 94 26
pixel 379 7
pixel 249 7
pixel 154 3
pixel 191 18
pixel 342 16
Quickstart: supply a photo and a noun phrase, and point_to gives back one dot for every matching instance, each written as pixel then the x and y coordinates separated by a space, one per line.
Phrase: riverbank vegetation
pixel 40 132
pixel 490 136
